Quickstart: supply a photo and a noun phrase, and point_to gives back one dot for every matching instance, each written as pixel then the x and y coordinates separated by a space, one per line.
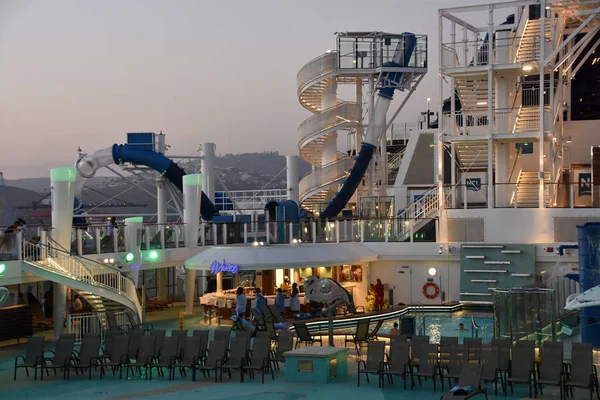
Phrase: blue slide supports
pixel 589 276
pixel 163 165
pixel 390 81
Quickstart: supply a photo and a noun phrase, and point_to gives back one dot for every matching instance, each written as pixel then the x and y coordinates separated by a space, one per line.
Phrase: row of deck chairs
pixel 136 351
pixel 447 361
pixel 361 336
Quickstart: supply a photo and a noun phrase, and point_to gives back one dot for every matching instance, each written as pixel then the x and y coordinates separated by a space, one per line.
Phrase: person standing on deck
pixel 379 295
pixel 240 302
pixel 280 301
pixel 260 301
pixel 295 300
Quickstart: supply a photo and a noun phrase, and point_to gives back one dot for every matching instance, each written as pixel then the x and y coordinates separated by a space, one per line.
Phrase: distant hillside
pixel 241 171
pixel 250 171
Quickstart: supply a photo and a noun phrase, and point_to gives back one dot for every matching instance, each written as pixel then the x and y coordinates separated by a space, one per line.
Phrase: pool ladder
pixel 418 312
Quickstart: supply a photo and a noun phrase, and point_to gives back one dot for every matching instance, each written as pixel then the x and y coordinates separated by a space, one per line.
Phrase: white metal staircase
pixel 528 119
pixel 472 154
pixel 418 213
pixel 473 92
pixel 100 285
pixel 527 190
pixel 529 46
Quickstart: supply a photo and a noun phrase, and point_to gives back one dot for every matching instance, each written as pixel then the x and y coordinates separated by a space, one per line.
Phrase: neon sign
pixel 217 267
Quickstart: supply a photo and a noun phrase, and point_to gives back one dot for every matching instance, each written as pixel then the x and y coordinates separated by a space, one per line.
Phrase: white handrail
pixel 80 269
pixel 418 210
pixel 514 194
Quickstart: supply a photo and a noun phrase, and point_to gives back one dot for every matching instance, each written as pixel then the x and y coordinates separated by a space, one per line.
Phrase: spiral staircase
pixel 313 78
pixel 103 287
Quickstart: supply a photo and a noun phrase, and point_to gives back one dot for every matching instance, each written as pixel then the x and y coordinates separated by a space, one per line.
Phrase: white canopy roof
pixel 282 256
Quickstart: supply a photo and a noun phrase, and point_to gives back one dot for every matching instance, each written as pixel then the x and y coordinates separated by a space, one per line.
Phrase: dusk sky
pixel 84 73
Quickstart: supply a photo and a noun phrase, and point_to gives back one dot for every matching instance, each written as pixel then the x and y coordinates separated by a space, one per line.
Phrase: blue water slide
pixel 390 80
pixel 123 153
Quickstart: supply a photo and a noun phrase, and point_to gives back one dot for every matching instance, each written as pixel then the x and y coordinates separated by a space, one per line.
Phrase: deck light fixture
pixel 432 271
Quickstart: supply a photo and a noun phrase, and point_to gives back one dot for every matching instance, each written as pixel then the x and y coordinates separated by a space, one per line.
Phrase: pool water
pixel 437 325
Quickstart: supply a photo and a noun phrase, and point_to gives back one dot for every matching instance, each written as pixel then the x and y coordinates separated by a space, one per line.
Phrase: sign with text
pixel 224 266
pixel 473 184
pixel 585 184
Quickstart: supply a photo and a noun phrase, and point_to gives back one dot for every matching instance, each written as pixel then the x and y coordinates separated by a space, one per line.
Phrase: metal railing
pixel 316 68
pixel 92 323
pixel 418 211
pixel 476 53
pixel 344 114
pixel 326 175
pixel 83 270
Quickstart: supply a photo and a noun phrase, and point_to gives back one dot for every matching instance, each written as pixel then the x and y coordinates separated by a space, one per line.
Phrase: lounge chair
pixel 446 342
pixel 522 368
pixel 304 335
pixel 375 331
pixel 34 355
pixel 360 336
pixel 491 367
pixel 458 356
pixel 145 326
pixel 144 357
pixel 115 355
pixel 213 361
pixel 88 357
pixel 552 369
pixel 203 335
pixel 190 357
pixel 415 348
pixel 259 361
pixel 399 338
pixel 474 348
pixel 374 362
pixel 285 343
pixel 428 365
pixel 583 372
pixel 135 338
pixel 470 376
pixel 180 335
pixel 397 363
pixel 160 335
pixel 221 334
pixel 167 354
pixel 236 355
pixel 60 356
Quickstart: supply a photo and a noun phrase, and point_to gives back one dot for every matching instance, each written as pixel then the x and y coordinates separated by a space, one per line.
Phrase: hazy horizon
pixel 83 74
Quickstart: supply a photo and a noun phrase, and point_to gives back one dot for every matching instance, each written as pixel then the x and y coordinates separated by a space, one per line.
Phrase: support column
pixel 63 195
pixel 220 282
pixel 293 178
pixel 541 66
pixel 192 195
pixel 329 153
pixel 453 173
pixel 133 225
pixel 490 99
pixel 371 180
pixel 439 151
pixel 161 217
pixel 207 166
pixel 501 173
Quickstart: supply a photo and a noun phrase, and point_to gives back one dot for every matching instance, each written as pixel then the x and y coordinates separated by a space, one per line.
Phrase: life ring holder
pixel 436 291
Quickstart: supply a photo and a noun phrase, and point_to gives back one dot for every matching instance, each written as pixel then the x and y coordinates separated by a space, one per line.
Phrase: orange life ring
pixel 426 291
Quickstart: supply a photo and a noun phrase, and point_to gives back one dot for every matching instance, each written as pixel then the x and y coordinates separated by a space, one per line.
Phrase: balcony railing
pixel 505 121
pixel 476 53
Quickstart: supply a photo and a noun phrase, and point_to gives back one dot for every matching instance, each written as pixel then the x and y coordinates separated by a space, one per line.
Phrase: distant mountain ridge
pixel 249 171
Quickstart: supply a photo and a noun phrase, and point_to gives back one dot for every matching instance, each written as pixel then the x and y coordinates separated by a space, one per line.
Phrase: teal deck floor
pixel 110 387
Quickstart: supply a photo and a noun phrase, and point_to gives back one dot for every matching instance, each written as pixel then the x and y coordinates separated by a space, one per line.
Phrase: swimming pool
pixel 437 325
